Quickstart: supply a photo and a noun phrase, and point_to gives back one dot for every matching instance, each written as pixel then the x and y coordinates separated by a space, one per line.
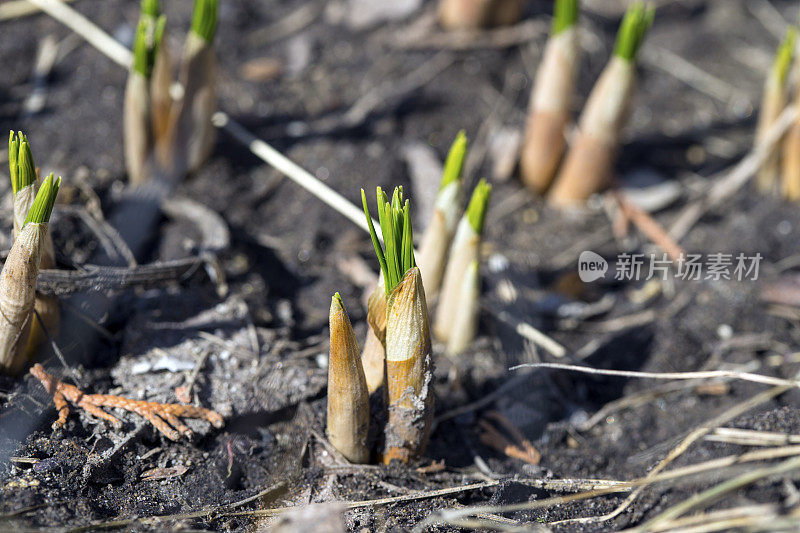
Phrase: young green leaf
pixel 476 210
pixel 151 8
pixel 565 15
pixel 20 162
pixel 454 163
pixel 397 255
pixel 149 33
pixel 13 152
pixel 633 29
pixel 43 204
pixel 204 18
pixel 784 55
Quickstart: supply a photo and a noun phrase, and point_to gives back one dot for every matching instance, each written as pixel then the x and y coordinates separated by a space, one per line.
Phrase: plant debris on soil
pixel 241 327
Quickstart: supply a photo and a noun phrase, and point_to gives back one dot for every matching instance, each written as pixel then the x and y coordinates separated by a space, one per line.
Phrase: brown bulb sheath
pixel 348 397
pixel 409 371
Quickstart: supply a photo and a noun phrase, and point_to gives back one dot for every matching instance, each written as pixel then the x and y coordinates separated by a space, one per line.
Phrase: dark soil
pixel 264 360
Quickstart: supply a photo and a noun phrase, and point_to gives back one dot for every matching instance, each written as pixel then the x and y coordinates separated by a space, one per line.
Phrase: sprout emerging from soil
pixel 436 242
pixel 590 161
pixel 191 135
pixel 137 110
pixel 409 370
pixel 456 317
pixel 551 99
pixel 773 102
pixel 348 397
pixel 24 185
pixel 476 14
pixel 18 279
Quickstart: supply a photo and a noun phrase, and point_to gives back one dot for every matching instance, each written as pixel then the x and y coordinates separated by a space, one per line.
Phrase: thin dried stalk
pixel 409 370
pixel 551 101
pixel 475 14
pixel 348 397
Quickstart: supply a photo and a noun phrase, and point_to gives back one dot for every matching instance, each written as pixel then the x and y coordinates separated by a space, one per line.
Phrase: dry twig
pixel 164 416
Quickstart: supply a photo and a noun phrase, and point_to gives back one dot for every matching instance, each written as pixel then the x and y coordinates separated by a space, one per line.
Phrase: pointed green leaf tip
pixel 151 8
pixel 149 33
pixel 43 204
pixel 336 303
pixel 20 162
pixel 398 237
pixel 633 29
pixel 454 163
pixel 476 210
pixel 565 15
pixel 204 18
pixel 784 55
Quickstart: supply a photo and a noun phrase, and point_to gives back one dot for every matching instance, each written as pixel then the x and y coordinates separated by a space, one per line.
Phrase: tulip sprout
pixel 456 316
pixel 436 241
pixel 18 279
pixel 348 397
pixel 551 101
pixel 590 161
pixel 408 346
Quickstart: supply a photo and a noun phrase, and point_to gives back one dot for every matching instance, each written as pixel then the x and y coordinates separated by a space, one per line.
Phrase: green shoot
pixel 476 210
pixel 145 46
pixel 337 301
pixel 151 8
pixel 455 160
pixel 204 18
pixel 43 204
pixel 13 152
pixel 20 162
pixel 633 29
pixel 784 55
pixel 395 222
pixel 565 15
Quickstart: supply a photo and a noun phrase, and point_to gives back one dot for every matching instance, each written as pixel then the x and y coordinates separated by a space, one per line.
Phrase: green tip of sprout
pixel 151 8
pixel 204 18
pixel 13 152
pixel 43 204
pixel 455 160
pixel 633 29
pixel 476 210
pixel 145 46
pixel 395 221
pixel 784 55
pixel 565 16
pixel 336 301
pixel 20 162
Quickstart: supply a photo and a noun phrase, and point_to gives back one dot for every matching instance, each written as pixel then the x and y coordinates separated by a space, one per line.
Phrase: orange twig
pixel 521 449
pixel 164 416
pixel 650 228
